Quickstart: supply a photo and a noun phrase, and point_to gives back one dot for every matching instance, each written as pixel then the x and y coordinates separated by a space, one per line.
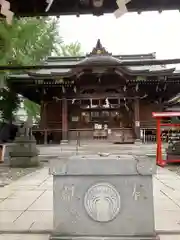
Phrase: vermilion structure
pixel 159 117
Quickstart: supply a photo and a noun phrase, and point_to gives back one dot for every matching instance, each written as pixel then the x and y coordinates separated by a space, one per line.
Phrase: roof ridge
pixel 122 56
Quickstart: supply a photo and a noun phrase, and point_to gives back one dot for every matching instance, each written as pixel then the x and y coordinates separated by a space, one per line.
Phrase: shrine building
pixel 91 102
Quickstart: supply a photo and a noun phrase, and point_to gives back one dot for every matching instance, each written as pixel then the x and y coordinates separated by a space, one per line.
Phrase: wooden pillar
pixel 45 122
pixel 64 121
pixel 136 119
pixel 158 141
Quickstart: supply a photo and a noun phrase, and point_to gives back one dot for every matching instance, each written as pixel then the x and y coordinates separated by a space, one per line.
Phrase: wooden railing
pixel 147 127
pixel 148 124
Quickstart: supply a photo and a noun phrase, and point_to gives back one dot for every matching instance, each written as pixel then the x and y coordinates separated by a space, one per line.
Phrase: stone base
pixel 64 141
pixel 138 141
pixel 24 162
pixel 7 148
pixel 24 153
pixel 57 237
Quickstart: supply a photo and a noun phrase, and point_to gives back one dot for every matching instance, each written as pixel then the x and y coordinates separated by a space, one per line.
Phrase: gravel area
pixel 8 175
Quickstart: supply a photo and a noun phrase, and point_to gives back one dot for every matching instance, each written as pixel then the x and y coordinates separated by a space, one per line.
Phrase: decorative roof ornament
pixel 5 10
pixel 122 9
pixel 99 50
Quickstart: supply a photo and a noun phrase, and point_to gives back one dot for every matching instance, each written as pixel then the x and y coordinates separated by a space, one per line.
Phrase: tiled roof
pixel 98 56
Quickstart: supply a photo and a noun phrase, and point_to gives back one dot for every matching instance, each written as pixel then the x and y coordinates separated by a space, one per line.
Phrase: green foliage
pixel 32 109
pixel 71 50
pixel 26 41
pixel 6 109
pixel 61 49
pixel 175 120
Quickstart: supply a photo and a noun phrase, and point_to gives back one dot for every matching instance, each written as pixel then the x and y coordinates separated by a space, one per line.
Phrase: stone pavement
pixel 89 147
pixel 26 204
pixel 46 237
pixel 96 146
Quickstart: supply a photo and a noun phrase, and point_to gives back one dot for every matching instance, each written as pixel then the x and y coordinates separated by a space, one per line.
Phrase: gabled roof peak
pixel 99 50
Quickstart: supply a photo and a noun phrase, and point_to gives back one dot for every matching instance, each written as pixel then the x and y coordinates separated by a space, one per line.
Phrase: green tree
pixel 26 41
pixel 32 109
pixel 66 50
pixel 71 50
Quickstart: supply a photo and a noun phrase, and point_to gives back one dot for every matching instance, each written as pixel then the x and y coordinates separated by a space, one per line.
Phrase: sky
pixel 132 33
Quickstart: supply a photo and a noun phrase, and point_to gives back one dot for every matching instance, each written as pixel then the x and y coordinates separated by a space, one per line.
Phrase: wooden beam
pixel 100 96
pixel 136 118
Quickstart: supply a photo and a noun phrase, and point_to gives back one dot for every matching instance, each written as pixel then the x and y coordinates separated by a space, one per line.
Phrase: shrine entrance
pixel 102 119
pixel 110 123
pixel 96 99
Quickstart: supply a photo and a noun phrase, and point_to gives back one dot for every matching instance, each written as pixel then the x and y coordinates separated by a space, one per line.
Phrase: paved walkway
pixel 46 237
pixel 89 147
pixel 26 205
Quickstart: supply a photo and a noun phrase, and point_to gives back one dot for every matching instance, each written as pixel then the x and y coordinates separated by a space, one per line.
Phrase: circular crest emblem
pixel 102 202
